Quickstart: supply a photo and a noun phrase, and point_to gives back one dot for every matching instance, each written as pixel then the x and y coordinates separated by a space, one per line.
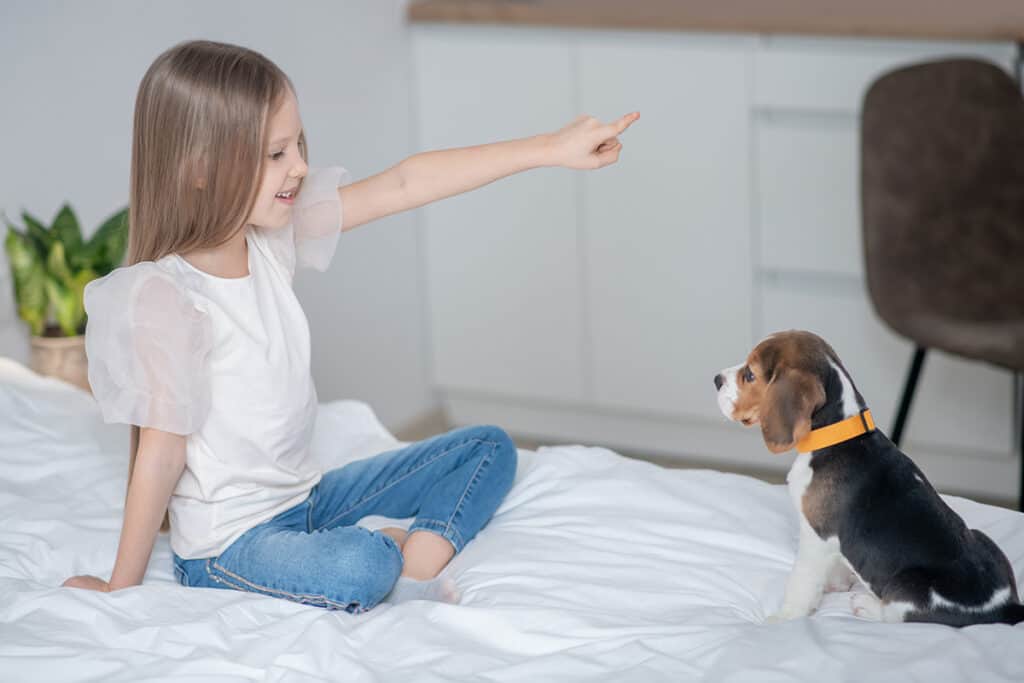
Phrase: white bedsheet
pixel 596 567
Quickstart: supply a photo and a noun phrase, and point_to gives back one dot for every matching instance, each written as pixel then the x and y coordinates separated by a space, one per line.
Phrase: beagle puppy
pixel 866 511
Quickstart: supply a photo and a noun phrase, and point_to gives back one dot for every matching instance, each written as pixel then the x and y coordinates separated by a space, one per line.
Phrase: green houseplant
pixel 50 267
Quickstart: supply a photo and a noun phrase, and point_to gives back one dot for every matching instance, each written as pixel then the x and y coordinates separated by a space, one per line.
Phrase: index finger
pixel 625 122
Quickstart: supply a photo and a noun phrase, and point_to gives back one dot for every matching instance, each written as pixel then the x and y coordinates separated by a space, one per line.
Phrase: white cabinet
pixel 597 306
pixel 808 206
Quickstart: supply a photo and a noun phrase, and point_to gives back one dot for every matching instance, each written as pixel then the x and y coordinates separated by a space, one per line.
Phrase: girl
pixel 201 345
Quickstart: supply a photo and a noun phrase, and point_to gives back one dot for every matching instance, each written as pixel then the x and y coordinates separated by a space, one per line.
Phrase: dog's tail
pixel 1009 613
pixel 1013 613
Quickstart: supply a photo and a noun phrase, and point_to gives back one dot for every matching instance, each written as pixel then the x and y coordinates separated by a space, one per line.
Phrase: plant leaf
pixel 36 321
pixel 38 234
pixel 66 229
pixel 78 283
pixel 29 277
pixel 105 250
pixel 57 265
pixel 63 301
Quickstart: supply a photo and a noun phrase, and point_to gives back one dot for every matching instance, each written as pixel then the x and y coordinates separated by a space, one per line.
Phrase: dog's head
pixel 789 382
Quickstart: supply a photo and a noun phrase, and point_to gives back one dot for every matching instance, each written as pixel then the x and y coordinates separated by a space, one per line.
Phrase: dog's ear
pixel 790 400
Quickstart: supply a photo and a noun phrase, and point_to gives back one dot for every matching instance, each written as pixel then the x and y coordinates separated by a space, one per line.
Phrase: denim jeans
pixel 313 553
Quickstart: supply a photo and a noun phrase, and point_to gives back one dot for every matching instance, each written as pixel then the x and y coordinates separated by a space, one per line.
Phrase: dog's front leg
pixel 806 583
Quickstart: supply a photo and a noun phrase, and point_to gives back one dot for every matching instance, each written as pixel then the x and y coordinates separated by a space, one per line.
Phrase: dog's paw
pixel 866 606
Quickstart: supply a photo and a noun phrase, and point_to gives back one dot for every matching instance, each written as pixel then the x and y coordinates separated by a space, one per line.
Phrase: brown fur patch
pixel 819 500
pixel 786 410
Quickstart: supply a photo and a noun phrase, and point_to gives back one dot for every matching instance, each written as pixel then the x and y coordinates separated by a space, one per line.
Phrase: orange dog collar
pixel 830 435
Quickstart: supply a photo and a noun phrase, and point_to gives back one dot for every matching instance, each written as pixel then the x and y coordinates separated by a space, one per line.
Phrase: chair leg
pixel 1019 385
pixel 908 394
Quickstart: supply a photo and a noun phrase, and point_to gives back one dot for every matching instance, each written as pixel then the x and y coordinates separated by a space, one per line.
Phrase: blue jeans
pixel 313 553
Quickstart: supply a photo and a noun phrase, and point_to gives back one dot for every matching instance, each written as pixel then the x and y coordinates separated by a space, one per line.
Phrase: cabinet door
pixel 501 262
pixel 808 203
pixel 667 240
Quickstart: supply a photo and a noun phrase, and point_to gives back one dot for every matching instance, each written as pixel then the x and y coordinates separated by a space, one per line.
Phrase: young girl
pixel 201 345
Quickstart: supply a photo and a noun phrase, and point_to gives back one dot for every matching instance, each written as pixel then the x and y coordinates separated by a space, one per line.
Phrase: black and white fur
pixel 868 513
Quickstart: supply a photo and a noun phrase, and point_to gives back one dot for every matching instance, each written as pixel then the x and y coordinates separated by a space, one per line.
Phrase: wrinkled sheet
pixel 596 567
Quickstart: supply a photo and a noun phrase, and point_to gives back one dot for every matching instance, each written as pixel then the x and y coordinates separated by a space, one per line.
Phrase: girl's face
pixel 283 168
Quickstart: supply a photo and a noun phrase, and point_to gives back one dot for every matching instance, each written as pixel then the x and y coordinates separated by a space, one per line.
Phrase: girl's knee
pixel 505 457
pixel 494 434
pixel 372 568
pixel 500 453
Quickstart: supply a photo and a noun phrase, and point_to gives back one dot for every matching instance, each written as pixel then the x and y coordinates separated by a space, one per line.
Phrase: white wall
pixel 67 88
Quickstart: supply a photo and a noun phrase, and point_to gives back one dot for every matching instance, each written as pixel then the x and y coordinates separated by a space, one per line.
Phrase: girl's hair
pixel 198 150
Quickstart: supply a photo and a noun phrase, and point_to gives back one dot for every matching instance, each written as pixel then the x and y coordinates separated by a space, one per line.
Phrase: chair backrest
pixel 942 195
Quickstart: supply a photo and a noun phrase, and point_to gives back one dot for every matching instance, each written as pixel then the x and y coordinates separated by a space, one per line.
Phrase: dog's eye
pixel 748 375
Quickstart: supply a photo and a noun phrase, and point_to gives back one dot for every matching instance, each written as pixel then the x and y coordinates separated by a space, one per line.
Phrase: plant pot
pixel 61 357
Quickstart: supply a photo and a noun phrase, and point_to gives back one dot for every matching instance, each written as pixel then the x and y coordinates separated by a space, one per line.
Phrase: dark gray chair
pixel 942 195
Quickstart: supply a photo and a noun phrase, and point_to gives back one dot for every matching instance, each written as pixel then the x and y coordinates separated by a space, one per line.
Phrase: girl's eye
pixel 276 155
pixel 748 375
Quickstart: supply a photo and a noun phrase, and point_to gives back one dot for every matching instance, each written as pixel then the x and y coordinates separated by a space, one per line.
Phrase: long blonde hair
pixel 198 143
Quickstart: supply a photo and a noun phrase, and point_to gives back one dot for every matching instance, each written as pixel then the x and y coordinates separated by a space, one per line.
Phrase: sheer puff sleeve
pixel 311 238
pixel 148 347
pixel 317 217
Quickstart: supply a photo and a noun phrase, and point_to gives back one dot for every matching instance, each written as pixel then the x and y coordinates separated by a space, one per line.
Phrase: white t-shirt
pixel 224 361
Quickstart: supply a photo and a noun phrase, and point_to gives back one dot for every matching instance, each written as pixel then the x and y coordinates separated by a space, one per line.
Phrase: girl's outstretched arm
pixel 158 467
pixel 586 143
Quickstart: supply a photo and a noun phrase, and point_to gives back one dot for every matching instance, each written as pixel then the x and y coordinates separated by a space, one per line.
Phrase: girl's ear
pixel 790 400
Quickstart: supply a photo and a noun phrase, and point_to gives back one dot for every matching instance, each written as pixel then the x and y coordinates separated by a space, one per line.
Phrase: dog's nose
pixel 719 381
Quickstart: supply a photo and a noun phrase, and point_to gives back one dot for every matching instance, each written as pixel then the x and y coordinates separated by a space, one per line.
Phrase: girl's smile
pixel 287 197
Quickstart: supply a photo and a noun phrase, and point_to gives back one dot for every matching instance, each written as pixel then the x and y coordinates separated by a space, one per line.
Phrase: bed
pixel 596 567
